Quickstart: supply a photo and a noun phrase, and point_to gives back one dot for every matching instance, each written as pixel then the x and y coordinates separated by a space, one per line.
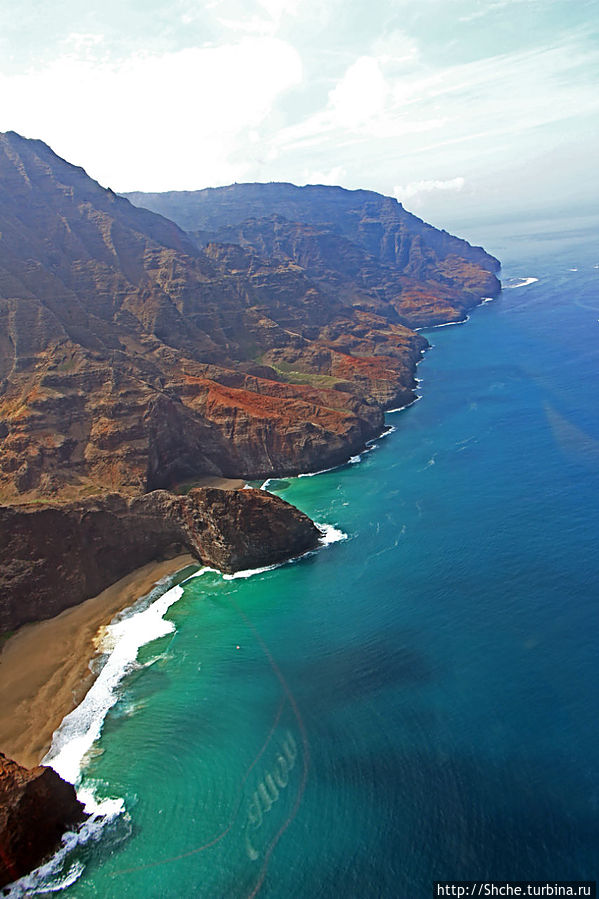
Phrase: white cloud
pixel 277 9
pixel 265 17
pixel 81 41
pixel 396 50
pixel 424 187
pixel 335 176
pixel 487 8
pixel 383 116
pixel 360 95
pixel 367 105
pixel 153 122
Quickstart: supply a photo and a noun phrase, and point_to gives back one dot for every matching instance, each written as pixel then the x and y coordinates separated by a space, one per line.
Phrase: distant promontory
pixel 249 331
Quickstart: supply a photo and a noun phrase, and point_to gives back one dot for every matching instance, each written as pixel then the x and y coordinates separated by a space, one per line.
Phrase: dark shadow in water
pixel 359 671
pixel 457 818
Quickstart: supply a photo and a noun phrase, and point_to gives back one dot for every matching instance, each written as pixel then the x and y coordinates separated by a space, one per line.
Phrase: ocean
pixel 415 701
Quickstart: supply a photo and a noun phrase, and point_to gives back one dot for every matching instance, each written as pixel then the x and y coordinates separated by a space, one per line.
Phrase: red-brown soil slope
pixel 134 355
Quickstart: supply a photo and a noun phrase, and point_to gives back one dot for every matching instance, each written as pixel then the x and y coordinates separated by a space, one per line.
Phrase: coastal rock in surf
pixel 241 529
pixel 53 556
pixel 36 808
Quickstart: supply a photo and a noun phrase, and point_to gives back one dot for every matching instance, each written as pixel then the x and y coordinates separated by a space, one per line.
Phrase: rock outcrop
pixel 53 556
pixel 36 808
pixel 135 355
pixel 254 330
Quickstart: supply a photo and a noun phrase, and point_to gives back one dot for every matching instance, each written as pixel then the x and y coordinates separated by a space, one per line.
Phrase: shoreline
pixel 45 666
pixel 218 481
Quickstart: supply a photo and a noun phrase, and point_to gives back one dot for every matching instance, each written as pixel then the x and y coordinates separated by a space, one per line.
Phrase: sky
pixel 458 108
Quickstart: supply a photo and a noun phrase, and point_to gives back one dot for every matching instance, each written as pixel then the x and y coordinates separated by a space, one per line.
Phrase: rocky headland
pixel 135 355
pixel 56 555
pixel 258 330
pixel 152 341
pixel 36 808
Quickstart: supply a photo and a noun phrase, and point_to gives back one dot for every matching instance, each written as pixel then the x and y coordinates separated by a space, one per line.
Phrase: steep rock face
pixel 132 356
pixel 241 529
pixel 36 808
pixel 355 270
pixel 354 226
pixel 55 556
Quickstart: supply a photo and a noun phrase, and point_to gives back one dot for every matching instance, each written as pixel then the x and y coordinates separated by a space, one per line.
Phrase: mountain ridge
pixel 135 354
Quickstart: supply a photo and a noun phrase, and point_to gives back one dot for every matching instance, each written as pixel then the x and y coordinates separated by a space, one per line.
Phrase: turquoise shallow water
pixel 419 700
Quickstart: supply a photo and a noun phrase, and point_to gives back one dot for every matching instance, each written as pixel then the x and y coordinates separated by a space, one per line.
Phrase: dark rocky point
pixel 250 331
pixel 56 555
pixel 36 808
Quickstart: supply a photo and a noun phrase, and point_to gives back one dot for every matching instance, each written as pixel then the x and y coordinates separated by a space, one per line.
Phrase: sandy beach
pixel 221 483
pixel 44 667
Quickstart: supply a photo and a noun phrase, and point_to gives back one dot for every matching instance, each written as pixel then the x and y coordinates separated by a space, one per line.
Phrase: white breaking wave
pixel 368 448
pixel 462 321
pixel 520 282
pixel 371 445
pixel 51 877
pixel 200 572
pixel 353 460
pixel 407 405
pixel 330 534
pixel 311 474
pixel 250 572
pixel 121 643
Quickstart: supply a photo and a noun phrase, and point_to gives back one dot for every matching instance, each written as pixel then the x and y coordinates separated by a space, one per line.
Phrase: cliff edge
pixel 53 556
pixel 266 338
pixel 36 808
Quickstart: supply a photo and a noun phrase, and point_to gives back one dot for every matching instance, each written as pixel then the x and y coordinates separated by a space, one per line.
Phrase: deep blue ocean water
pixel 419 700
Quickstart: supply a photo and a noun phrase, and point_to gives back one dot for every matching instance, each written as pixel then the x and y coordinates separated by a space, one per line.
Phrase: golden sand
pixel 44 667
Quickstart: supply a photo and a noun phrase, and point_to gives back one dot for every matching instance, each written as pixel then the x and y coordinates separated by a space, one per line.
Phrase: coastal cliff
pixel 36 808
pixel 135 355
pixel 266 339
pixel 357 241
pixel 260 330
pixel 249 331
pixel 56 555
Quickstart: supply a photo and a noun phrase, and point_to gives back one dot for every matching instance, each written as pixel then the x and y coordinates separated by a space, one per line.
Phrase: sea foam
pixel 59 872
pixel 407 405
pixel 462 321
pixel 520 282
pixel 250 572
pixel 121 643
pixel 311 474
pixel 329 534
